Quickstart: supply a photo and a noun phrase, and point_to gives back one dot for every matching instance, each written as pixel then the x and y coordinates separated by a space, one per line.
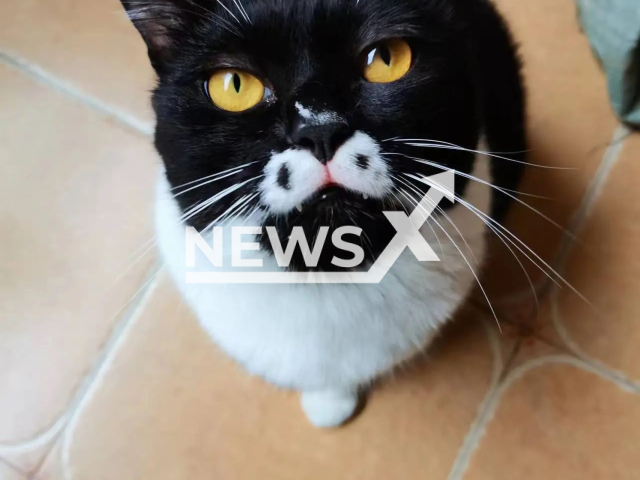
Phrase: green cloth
pixel 613 28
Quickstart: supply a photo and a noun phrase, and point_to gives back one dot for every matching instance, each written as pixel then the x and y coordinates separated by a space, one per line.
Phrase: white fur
pixel 315 118
pixel 308 175
pixel 373 180
pixel 328 408
pixel 327 340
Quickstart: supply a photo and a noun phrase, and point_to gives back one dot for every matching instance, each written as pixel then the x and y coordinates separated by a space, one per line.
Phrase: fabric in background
pixel 613 28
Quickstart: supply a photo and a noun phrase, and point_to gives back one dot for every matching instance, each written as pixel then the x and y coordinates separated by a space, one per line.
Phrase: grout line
pixel 471 440
pixel 12 467
pixel 43 76
pixel 567 347
pixel 594 190
pixel 595 365
pixel 49 436
pixel 492 401
pixel 476 431
pixel 109 353
pixel 495 346
pixel 611 157
pixel 40 440
pixel 508 377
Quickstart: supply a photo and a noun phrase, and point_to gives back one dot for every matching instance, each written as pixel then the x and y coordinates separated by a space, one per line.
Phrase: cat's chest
pixel 294 335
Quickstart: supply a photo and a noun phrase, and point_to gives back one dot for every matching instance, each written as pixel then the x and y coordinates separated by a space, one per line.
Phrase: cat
pixel 302 113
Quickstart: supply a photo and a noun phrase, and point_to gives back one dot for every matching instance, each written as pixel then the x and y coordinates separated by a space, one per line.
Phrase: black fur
pixel 464 82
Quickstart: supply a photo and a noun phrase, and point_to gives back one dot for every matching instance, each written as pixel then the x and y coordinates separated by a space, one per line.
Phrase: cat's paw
pixel 329 408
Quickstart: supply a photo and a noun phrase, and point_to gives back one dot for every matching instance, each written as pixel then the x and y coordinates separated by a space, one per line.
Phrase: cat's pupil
pixel 385 55
pixel 236 82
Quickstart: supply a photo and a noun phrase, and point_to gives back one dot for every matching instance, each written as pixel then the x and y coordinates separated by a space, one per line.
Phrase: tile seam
pixel 42 76
pixel 597 185
pixel 492 400
pixel 110 352
pixel 12 467
pixel 50 434
pixel 470 441
pixel 592 195
pixel 487 414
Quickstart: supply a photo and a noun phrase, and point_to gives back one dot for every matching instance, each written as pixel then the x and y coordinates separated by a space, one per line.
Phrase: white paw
pixel 329 408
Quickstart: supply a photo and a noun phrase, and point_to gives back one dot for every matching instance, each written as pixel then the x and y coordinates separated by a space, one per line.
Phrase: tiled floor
pixel 104 374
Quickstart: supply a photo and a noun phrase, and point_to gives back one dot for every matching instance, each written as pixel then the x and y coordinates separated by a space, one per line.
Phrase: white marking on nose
pixel 304 112
pixel 317 118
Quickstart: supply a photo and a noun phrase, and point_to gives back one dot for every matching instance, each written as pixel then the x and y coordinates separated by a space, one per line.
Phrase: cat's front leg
pixel 330 408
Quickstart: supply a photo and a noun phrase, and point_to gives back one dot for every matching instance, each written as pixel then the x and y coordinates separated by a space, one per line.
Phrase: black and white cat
pixel 300 113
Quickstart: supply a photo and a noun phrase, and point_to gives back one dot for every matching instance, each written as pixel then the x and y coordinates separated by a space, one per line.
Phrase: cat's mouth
pixel 333 196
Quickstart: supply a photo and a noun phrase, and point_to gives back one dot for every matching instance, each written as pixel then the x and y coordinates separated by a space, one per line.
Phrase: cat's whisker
pixel 208 182
pixel 243 12
pixel 423 213
pixel 442 142
pixel 216 198
pixel 427 218
pixel 475 275
pixel 242 208
pixel 142 247
pixel 469 176
pixel 226 216
pixel 492 223
pixel 228 11
pixel 451 146
pixel 255 210
pixel 228 211
pixel 502 190
pixel 214 175
pixel 137 260
pixel 558 276
pixel 444 214
pixel 500 235
pixel 139 16
pixel 245 200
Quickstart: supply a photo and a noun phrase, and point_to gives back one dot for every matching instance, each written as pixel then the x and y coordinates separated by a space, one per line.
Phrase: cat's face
pixel 299 106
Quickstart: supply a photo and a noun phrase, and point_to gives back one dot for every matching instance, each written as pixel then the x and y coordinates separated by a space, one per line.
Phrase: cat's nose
pixel 323 140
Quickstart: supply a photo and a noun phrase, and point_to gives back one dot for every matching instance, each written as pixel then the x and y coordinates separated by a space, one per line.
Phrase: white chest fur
pixel 313 336
pixel 334 337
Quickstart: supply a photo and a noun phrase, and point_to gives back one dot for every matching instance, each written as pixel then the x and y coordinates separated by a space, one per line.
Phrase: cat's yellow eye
pixel 388 61
pixel 235 90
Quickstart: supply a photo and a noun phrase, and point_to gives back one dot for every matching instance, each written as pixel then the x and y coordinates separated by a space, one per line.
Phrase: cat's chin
pixel 333 202
pixel 335 207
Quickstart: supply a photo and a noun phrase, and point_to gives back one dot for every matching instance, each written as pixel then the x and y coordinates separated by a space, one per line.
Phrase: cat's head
pixel 302 110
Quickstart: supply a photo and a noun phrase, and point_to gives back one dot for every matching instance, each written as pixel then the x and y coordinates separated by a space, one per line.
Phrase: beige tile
pixel 89 44
pixel 8 473
pixel 172 406
pixel 76 192
pixel 525 334
pixel 561 422
pixel 605 268
pixel 570 124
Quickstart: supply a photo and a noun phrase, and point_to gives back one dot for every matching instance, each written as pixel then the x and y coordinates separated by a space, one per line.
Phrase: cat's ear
pixel 162 24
